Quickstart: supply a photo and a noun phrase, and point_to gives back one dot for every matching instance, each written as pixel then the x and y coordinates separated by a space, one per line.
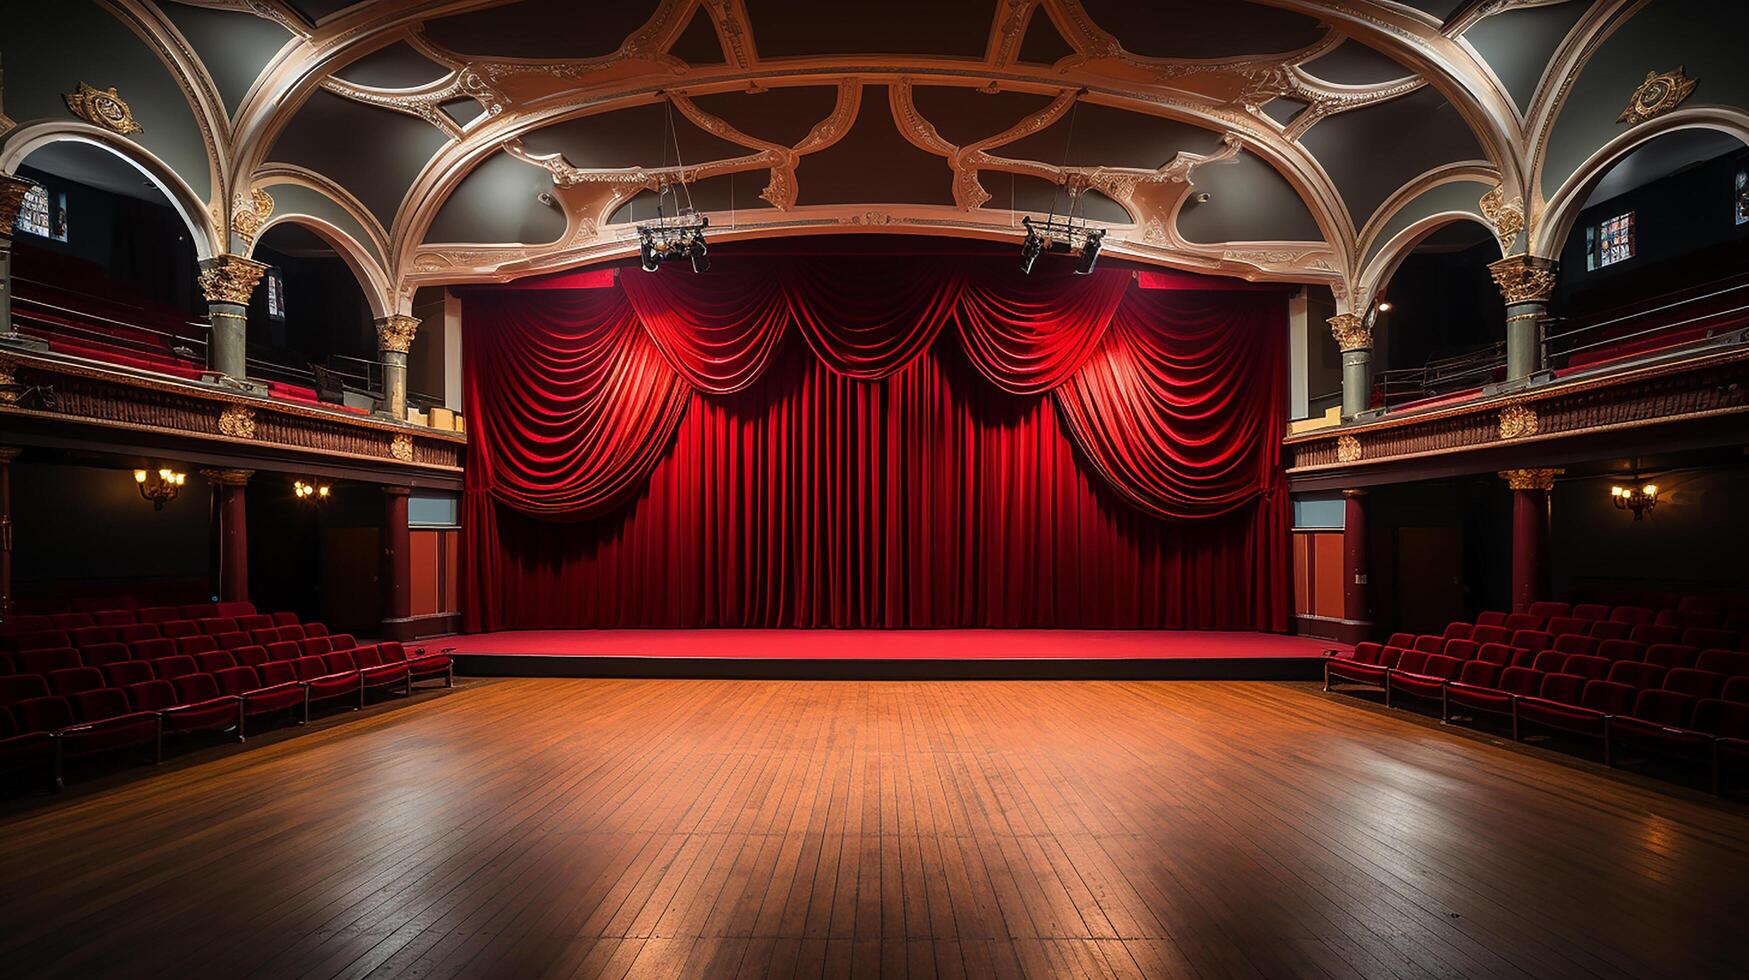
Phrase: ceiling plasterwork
pixel 1226 95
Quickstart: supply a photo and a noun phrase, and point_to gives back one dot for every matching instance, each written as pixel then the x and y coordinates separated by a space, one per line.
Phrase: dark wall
pixel 322 562
pixel 326 311
pixel 1442 303
pixel 84 524
pixel 138 244
pixel 1440 550
pixel 1693 540
pixel 1686 235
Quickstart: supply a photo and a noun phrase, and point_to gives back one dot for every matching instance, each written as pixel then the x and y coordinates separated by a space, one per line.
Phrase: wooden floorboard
pixel 715 828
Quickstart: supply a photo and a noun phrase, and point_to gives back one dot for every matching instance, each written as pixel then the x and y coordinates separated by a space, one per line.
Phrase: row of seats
pixel 36 659
pixel 1667 700
pixel 78 711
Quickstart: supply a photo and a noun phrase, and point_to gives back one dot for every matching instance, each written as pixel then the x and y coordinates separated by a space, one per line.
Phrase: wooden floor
pixel 621 828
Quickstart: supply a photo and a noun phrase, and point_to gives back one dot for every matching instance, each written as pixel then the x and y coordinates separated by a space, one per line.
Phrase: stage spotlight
pixel 1031 249
pixel 1090 252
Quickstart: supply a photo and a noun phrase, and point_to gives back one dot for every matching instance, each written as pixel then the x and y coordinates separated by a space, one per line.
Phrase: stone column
pixel 397 563
pixel 394 339
pixel 12 191
pixel 1526 282
pixel 1356 586
pixel 228 281
pixel 233 532
pixel 7 455
pixel 1354 338
pixel 1530 533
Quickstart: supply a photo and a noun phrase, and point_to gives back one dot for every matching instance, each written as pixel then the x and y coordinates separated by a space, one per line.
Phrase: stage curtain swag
pixel 664 452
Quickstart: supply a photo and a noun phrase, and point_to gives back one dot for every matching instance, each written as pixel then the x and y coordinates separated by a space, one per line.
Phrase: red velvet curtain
pixel 715 471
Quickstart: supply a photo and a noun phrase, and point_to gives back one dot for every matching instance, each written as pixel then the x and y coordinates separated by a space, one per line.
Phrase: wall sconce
pixel 1640 499
pixel 160 487
pixel 311 492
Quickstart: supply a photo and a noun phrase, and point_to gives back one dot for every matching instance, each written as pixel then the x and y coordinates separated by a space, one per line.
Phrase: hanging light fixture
pixel 1069 234
pixel 1639 498
pixel 310 492
pixel 159 487
pixel 680 234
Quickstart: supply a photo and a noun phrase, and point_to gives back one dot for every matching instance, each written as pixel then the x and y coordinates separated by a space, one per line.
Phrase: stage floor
pixel 1206 655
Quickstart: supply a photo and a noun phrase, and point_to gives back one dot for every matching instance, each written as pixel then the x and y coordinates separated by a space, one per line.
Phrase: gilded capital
pixel 12 191
pixel 228 478
pixel 1531 479
pixel 395 333
pixel 1351 332
pixel 230 278
pixel 1524 278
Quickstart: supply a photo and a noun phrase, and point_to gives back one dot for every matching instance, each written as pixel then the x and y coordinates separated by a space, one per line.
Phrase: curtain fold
pixel 656 455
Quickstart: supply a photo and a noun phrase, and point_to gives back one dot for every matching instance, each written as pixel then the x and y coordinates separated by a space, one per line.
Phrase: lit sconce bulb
pixel 165 474
pixel 322 492
pixel 1385 307
pixel 139 476
pixel 1651 490
pixel 1615 491
pixel 181 478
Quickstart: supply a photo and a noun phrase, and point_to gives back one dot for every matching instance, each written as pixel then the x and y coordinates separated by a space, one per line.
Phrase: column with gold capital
pixel 233 532
pixel 228 281
pixel 1526 282
pixel 1354 339
pixel 1530 533
pixel 394 339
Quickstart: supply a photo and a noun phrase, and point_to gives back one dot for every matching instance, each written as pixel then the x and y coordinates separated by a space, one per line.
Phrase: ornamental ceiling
pixel 435 141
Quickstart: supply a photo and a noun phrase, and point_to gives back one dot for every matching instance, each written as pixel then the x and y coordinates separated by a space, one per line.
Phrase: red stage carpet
pixel 887 653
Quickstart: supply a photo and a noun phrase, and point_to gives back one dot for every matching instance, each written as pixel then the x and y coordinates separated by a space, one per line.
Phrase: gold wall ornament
pixel 103 107
pixel 1517 421
pixel 1347 449
pixel 1524 278
pixel 1507 217
pixel 1658 94
pixel 1351 332
pixel 12 191
pixel 230 278
pixel 237 421
pixel 8 381
pixel 395 333
pixel 228 478
pixel 1535 478
pixel 401 447
pixel 249 213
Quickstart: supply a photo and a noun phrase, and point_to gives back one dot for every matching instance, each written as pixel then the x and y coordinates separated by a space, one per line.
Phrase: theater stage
pixel 889 654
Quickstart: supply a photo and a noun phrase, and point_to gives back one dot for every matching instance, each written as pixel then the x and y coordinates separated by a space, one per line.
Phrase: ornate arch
pixel 371 278
pixel 183 200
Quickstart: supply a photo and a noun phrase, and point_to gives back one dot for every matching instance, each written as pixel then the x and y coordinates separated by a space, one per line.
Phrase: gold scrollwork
pixel 1517 422
pixel 1534 478
pixel 1658 94
pixel 1524 278
pixel 103 107
pixel 1347 449
pixel 237 421
pixel 401 447
pixel 1351 332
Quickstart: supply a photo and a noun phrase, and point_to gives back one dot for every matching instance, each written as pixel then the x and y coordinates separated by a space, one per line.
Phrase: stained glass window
pixel 43 213
pixel 1610 241
pixel 275 295
pixel 1741 197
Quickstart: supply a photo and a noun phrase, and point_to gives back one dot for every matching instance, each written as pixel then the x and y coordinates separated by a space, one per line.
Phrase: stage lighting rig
pixel 1068 235
pixel 679 236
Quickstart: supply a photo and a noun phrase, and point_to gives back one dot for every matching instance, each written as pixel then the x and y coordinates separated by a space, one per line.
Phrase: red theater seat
pixel 1458 631
pixel 215 660
pixel 1604 629
pixel 45 640
pixel 1636 674
pixel 1429 643
pixel 250 656
pixel 231 640
pixel 285 619
pixel 342 641
pixel 190 646
pixel 1498 654
pixel 1428 679
pixel 1461 649
pixel 114 617
pixel 1560 626
pixel 1550 662
pixel 1637 615
pixel 1575 644
pixel 378 673
pixel 1712 639
pixel 284 650
pixel 1621 650
pixel 217 624
pixel 86 636
pixel 1572 704
pixel 1362 665
pixel 178 628
pixel 1548 609
pixel 1731 663
pixel 1484 687
pixel 170 668
pixel 71 620
pixel 153 649
pixel 312 629
pixel 1490 634
pixel 1491 619
pixel 73 680
pixel 258 696
pixel 319 646
pixel 437 666
pixel 1649 634
pixel 159 614
pixel 22 687
pixel 127 672
pixel 1535 641
pixel 255 621
pixel 326 686
pixel 1523 621
pixel 20 750
pixel 235 608
pixel 1671 655
pixel 99 654
pixel 1591 668
pixel 137 632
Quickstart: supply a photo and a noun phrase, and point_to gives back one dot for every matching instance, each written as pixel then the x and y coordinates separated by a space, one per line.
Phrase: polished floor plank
pixel 661 828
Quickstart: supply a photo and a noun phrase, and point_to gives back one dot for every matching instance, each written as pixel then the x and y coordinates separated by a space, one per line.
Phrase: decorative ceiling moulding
pixel 277 11
pixel 1472 12
pixel 248 213
pixel 1658 94
pixel 426 101
pixel 1507 217
pixel 149 22
pixel 103 107
pixel 285 173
